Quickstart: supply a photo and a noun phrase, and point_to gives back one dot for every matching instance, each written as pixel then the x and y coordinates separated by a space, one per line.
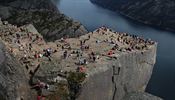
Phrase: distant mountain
pixel 159 13
pixel 29 4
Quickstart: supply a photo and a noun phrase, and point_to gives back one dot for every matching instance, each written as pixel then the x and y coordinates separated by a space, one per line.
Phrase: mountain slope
pixel 158 13
pixel 44 15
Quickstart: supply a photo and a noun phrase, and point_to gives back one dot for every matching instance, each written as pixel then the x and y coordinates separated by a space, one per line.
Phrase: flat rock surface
pixel 103 42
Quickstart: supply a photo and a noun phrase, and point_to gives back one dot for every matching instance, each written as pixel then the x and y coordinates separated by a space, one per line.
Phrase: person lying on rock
pixel 40 85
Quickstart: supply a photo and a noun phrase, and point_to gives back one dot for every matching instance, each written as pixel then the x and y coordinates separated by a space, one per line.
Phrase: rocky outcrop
pixel 123 64
pixel 44 15
pixel 122 76
pixel 51 25
pixel 13 80
pixel 158 13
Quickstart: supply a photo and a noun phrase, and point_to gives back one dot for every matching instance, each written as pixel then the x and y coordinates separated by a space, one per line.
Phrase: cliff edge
pixel 101 65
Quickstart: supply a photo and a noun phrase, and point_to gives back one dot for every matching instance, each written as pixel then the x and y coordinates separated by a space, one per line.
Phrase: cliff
pixel 44 15
pixel 101 65
pixel 13 80
pixel 158 13
pixel 125 73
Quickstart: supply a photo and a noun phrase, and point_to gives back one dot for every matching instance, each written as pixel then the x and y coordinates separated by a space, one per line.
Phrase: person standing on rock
pixel 65 54
pixel 30 46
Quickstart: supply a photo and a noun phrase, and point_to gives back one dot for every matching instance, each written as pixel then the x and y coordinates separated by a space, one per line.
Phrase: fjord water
pixel 162 82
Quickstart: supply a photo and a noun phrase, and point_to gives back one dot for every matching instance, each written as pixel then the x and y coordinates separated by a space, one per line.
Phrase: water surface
pixel 91 16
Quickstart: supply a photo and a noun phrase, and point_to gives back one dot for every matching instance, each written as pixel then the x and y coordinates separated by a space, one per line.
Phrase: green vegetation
pixel 76 77
pixel 62 93
pixel 68 91
pixel 74 80
pixel 54 22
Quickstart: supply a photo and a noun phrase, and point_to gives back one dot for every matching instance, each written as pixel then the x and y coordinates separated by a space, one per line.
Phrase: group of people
pixel 80 54
pixel 133 42
pixel 28 53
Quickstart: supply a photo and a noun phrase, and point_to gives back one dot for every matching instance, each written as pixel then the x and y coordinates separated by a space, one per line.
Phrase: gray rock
pixel 13 80
pixel 30 28
pixel 126 74
pixel 140 96
pixel 48 72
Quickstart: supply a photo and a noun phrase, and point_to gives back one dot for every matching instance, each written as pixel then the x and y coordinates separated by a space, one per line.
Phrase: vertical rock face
pixel 126 74
pixel 13 80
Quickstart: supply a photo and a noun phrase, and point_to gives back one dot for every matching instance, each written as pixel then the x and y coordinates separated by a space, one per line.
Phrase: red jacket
pixel 40 98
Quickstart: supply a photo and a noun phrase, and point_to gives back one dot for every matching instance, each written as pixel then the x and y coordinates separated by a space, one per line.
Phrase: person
pixel 82 47
pixel 110 53
pixel 81 42
pixel 65 54
pixel 78 54
pixel 115 47
pixel 98 57
pixel 92 53
pixel 40 55
pixel 27 67
pixel 18 41
pixel 97 41
pixel 69 48
pixel 40 97
pixel 81 69
pixel 81 62
pixel 87 47
pixel 30 46
pixel 41 85
pixel 48 52
pixel 18 36
pixel 85 61
pixel 25 56
pixel 62 47
pixel 36 55
pixel 62 39
pixel 37 37
pixel 89 37
pixel 84 41
pixel 11 50
pixel 49 58
pixel 94 58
